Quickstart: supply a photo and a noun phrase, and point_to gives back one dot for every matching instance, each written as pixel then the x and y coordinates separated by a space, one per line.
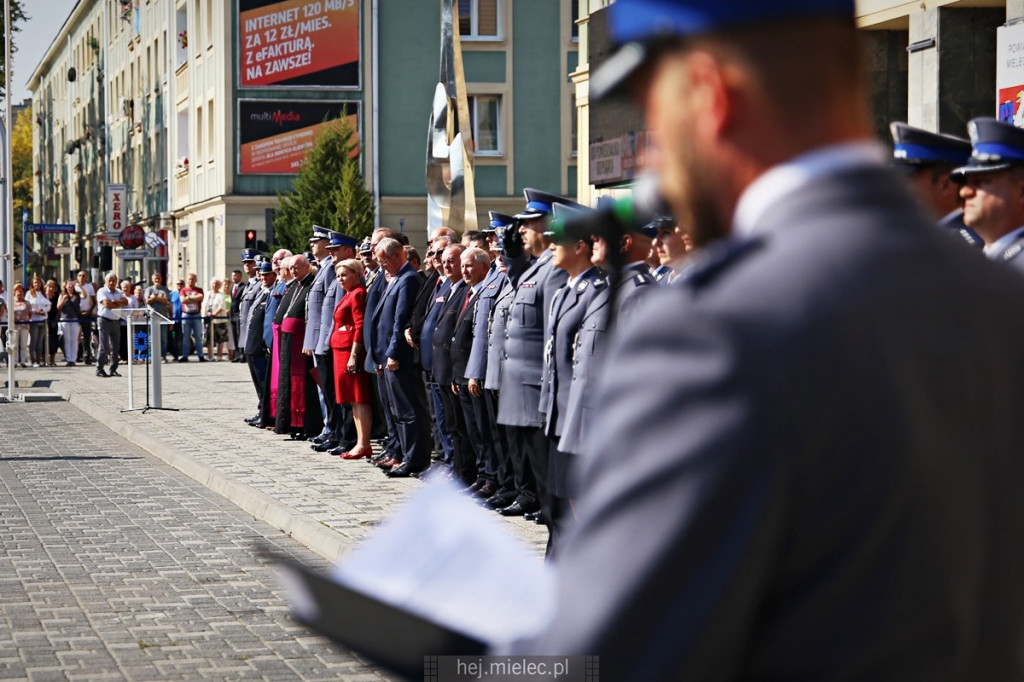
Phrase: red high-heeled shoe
pixel 358 454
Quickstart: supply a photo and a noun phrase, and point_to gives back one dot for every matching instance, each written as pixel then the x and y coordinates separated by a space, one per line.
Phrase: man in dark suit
pixel 462 462
pixel 392 357
pixel 808 468
pixel 993 189
pixel 927 159
pixel 376 284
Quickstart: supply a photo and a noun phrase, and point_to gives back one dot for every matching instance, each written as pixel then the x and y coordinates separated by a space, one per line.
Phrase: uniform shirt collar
pixel 995 250
pixel 789 177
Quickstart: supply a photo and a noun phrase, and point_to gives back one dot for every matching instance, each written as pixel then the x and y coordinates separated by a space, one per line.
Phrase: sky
pixel 45 20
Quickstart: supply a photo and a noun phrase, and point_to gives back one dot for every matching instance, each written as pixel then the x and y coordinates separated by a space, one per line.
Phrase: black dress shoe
pixel 486 490
pixel 101 373
pixel 531 516
pixel 296 436
pixel 316 440
pixel 515 509
pixel 325 446
pixel 499 500
pixel 477 484
pixel 403 470
pixel 541 520
pixel 114 373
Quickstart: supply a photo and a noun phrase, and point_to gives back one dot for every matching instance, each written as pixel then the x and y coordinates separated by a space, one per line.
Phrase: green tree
pixel 21 164
pixel 17 17
pixel 329 191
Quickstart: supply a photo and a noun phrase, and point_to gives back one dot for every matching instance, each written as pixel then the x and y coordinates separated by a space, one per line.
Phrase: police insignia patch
pixel 1012 252
pixel 581 287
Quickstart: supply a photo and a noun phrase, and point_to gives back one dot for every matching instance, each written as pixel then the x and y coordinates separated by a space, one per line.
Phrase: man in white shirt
pixel 108 300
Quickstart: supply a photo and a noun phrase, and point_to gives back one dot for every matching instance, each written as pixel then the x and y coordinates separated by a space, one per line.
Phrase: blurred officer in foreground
pixel 993 189
pixel 927 159
pixel 808 468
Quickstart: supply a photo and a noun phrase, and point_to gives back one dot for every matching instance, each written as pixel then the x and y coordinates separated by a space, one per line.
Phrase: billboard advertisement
pixel 117 208
pixel 1010 74
pixel 298 43
pixel 274 135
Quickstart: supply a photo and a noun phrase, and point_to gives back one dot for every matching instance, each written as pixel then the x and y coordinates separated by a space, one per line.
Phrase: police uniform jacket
pixel 334 294
pixel 567 309
pixel 476 364
pixel 588 356
pixel 254 344
pixel 314 304
pixel 496 332
pixel 519 397
pixel 249 294
pixel 790 452
pixel 1011 255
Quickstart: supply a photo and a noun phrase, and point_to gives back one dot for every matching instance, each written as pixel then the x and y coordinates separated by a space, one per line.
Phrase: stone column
pixel 952 68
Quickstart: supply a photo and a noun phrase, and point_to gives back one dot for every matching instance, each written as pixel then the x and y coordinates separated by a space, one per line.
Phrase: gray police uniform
pixel 256 370
pixel 522 373
pixel 588 352
pixel 1010 254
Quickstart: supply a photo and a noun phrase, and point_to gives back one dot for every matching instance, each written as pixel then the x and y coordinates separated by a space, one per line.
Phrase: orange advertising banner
pixel 275 136
pixel 311 43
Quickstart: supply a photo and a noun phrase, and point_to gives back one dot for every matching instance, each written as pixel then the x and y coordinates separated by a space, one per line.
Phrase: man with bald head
pixel 297 409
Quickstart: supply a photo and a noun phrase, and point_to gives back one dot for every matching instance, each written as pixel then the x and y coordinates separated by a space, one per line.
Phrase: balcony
pixel 181 83
pixel 180 199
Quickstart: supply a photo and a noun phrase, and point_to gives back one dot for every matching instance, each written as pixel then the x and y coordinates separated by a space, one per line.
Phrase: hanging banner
pixel 298 43
pixel 117 207
pixel 275 136
pixel 1010 74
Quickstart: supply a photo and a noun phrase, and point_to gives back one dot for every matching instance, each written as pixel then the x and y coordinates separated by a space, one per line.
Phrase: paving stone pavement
pixel 115 566
pixel 325 503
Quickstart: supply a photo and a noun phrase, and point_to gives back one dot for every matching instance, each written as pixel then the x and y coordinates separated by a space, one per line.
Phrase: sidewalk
pixel 324 502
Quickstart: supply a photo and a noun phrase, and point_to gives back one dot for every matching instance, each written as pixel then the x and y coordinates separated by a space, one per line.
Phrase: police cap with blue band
pixel 339 239
pixel 914 148
pixel 498 220
pixel 249 255
pixel 540 204
pixel 640 26
pixel 319 233
pixel 995 146
pixel 266 267
pixel 659 224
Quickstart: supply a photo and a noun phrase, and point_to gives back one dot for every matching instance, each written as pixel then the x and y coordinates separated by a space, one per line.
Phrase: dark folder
pixel 387 635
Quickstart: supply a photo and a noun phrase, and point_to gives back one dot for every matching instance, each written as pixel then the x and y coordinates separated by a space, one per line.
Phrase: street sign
pixel 51 228
pixel 132 254
pixel 63 250
pixel 154 241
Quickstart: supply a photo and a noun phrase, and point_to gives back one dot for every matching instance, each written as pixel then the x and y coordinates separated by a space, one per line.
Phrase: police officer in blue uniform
pixel 993 189
pixel 927 159
pixel 249 293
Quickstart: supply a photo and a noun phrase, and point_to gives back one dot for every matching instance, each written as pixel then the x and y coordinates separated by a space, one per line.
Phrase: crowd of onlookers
pixel 61 323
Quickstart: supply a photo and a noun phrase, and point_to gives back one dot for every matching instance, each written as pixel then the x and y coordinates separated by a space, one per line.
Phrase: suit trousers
pixel 408 417
pixel 85 348
pixel 258 372
pixel 528 444
pixel 503 471
pixel 391 443
pixel 463 461
pixel 479 434
pixel 325 391
pixel 440 424
pixel 559 512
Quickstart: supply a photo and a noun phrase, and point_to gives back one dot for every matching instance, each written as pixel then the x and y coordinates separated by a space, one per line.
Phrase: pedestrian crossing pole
pixel 8 209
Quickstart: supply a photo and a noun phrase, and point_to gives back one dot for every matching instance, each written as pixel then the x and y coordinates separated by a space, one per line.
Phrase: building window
pixel 575 29
pixel 480 19
pixel 574 121
pixel 485 119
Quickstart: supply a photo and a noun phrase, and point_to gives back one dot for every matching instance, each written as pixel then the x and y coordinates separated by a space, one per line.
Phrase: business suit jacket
pixel 462 336
pixel 392 317
pixel 426 335
pixel 424 300
pixel 519 396
pixel 809 461
pixel 441 359
pixel 567 310
pixel 333 294
pixel 476 363
pixel 635 281
pixel 376 282
pixel 315 302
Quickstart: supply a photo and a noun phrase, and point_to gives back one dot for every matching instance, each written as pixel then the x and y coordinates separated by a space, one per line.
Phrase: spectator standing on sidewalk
pixel 39 306
pixel 128 289
pixel 51 322
pixel 109 299
pixel 69 303
pixel 175 335
pixel 22 315
pixel 192 319
pixel 158 299
pixel 216 309
pixel 87 292
pixel 3 323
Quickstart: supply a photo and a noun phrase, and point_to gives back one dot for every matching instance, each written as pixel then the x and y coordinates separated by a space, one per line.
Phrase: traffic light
pixel 250 239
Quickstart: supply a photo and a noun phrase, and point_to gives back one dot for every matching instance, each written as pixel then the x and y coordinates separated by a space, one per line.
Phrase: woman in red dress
pixel 351 384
